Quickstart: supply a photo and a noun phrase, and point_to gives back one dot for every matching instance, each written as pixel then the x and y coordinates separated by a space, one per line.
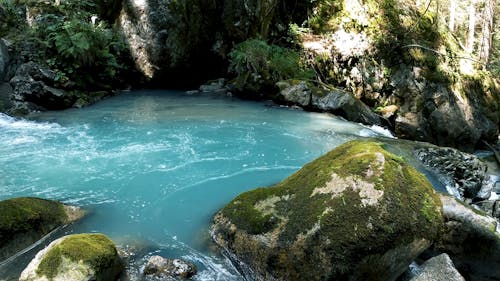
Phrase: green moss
pixel 244 214
pixel 25 214
pixel 95 250
pixel 353 228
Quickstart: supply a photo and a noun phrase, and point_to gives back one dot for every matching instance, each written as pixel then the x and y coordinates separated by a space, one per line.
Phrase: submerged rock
pixel 439 268
pixel 78 257
pixel 161 267
pixel 25 220
pixel 470 239
pixel 357 213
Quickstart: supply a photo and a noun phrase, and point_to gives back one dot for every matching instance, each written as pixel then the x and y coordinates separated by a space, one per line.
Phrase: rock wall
pixel 4 60
pixel 187 41
pixel 171 42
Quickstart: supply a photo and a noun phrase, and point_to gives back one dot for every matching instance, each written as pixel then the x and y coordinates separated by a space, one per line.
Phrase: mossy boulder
pixel 78 257
pixel 356 213
pixel 25 220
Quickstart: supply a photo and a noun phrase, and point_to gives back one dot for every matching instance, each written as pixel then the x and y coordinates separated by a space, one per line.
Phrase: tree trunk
pixel 453 11
pixel 472 27
pixel 486 32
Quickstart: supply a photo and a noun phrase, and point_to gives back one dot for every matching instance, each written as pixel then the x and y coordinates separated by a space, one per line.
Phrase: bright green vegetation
pixel 26 214
pixel 259 65
pixel 95 250
pixel 83 52
pixel 360 198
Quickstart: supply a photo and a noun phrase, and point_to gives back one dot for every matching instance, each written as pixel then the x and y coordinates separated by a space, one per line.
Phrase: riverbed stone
pixel 77 257
pixel 356 213
pixel 344 104
pixel 461 170
pixel 25 220
pixel 438 268
pixel 298 94
pixel 470 238
pixel 160 267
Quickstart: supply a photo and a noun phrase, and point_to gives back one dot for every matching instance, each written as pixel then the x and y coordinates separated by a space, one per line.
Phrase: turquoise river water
pixel 153 167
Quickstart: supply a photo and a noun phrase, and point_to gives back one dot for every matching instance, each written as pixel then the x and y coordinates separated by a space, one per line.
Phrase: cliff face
pixel 170 40
pixel 184 40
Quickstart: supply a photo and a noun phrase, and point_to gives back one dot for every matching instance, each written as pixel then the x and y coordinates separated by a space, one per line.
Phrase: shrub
pixel 83 47
pixel 258 65
pixel 11 17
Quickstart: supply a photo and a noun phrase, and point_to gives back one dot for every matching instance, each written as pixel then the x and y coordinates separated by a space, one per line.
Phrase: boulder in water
pixel 356 213
pixel 161 267
pixel 298 94
pixel 25 220
pixel 345 105
pixel 78 257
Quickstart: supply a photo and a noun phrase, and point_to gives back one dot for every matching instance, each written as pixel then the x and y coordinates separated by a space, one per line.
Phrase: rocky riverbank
pixel 346 69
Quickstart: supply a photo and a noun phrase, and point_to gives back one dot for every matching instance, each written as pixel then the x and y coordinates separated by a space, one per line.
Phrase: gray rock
pixel 470 239
pixel 410 125
pixel 161 267
pixel 6 92
pixel 34 84
pixel 454 210
pixel 4 59
pixel 343 104
pixel 439 268
pixel 462 170
pixel 298 94
pixel 217 85
pixel 491 207
pixel 429 111
pixel 487 187
pixel 170 40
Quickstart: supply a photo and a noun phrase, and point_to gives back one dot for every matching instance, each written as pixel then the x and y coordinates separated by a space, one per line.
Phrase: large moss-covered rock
pixel 357 213
pixel 78 257
pixel 25 220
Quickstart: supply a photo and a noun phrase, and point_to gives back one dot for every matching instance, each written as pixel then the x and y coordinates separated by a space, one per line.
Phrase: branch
pixel 497 156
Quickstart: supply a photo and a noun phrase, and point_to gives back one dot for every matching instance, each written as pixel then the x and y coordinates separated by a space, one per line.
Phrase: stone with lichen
pixel 356 213
pixel 78 257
